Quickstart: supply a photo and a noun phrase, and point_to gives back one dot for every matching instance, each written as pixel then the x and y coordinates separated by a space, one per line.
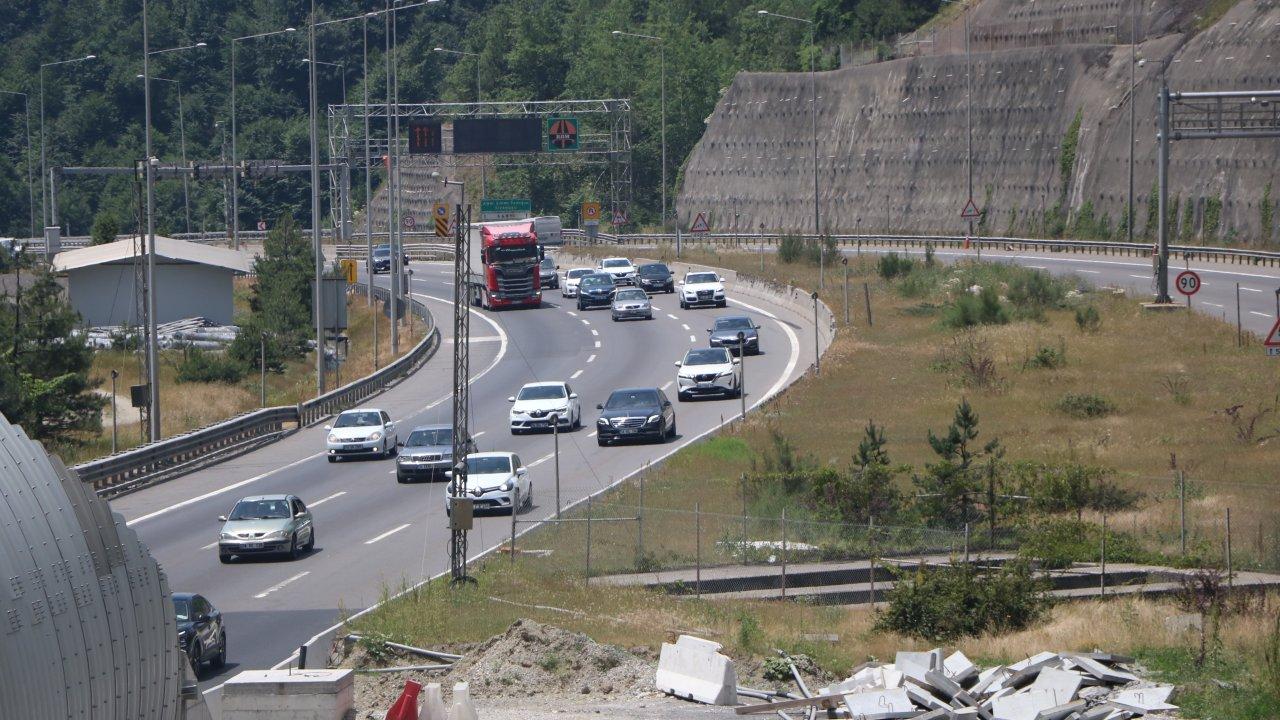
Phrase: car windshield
pixel 541 392
pixel 695 278
pixel 260 510
pixel 182 609
pixel 593 280
pixel 622 399
pixel 488 465
pixel 512 254
pixel 548 263
pixel 382 251
pixel 577 273
pixel 710 356
pixel 654 269
pixel 616 263
pixel 630 295
pixel 423 438
pixel 358 419
pixel 734 323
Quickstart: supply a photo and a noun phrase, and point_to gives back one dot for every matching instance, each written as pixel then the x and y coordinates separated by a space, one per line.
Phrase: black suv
pixel 201 633
pixel 595 290
pixel 382 259
pixel 656 277
pixel 636 414
pixel 725 334
pixel 547 275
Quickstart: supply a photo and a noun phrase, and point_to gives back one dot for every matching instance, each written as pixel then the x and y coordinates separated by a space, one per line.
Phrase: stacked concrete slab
pixel 892 138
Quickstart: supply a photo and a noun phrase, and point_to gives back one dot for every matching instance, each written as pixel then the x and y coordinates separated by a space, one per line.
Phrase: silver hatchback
pixel 631 304
pixel 266 524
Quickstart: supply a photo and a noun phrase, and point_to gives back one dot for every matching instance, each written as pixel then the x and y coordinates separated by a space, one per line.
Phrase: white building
pixel 192 280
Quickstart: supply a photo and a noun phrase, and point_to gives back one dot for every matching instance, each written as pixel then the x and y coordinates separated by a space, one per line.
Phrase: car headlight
pixel 726 373
pixel 333 438
pixel 224 536
pixel 275 535
pixel 602 421
pixel 377 435
pixel 653 419
pixel 507 486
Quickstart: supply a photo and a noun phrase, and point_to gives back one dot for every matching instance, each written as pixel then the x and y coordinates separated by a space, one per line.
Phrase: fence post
pixel 1239 324
pixel 866 296
pixel 966 543
pixel 743 481
pixel 1182 510
pixel 784 553
pixel 515 503
pixel 588 539
pixel 871 566
pixel 640 519
pixel 697 533
pixel 1230 582
pixel 1102 576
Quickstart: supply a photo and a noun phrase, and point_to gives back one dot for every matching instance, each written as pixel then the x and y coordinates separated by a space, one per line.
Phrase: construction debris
pixel 193 332
pixel 934 685
pixel 694 669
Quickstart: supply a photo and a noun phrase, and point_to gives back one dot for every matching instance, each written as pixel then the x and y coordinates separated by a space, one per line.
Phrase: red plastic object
pixel 406 706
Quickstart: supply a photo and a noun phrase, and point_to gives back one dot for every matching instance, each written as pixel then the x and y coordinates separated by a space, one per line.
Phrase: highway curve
pixel 373 533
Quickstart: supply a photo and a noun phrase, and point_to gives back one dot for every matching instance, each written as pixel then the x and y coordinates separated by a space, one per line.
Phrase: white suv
pixel 573 276
pixel 533 407
pixel 702 287
pixel 623 272
pixel 365 431
pixel 707 371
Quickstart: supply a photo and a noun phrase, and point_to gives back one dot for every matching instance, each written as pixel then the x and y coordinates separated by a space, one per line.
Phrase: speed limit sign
pixel 1188 283
pixel 408 221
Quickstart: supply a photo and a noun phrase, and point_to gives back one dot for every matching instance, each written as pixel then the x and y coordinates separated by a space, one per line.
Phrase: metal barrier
pixel 750 241
pixel 159 461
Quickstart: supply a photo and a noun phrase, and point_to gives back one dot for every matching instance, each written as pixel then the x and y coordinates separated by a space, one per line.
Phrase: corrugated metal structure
pixel 87 630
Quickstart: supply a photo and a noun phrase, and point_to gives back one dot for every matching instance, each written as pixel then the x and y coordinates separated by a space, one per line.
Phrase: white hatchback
pixel 364 431
pixel 493 481
pixel 537 403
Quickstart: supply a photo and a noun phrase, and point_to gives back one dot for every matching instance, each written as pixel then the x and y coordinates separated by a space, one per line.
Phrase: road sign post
pixel 1272 341
pixel 440 213
pixel 408 222
pixel 1188 283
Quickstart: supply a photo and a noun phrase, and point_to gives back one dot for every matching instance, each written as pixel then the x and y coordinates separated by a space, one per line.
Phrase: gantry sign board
pixel 425 137
pixel 505 208
pixel 562 134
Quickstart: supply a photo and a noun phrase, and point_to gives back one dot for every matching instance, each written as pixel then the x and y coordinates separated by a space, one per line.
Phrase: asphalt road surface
pixel 374 533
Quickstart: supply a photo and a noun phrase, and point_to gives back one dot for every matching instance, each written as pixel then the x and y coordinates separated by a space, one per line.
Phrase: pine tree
pixel 871 450
pixel 280 305
pixel 947 487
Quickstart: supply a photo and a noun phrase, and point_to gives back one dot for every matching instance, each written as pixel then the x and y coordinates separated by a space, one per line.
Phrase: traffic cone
pixel 433 707
pixel 966 242
pixel 406 706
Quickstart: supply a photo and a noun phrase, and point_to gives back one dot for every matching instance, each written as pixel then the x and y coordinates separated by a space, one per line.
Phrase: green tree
pixel 44 379
pixel 280 306
pixel 871 450
pixel 947 487
pixel 105 228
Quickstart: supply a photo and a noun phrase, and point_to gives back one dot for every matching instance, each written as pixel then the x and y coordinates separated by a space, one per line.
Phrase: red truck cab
pixel 506 272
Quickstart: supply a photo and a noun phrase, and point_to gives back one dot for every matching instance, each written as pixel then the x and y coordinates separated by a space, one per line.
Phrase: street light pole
pixel 662 84
pixel 368 189
pixel 1133 112
pixel 44 170
pixel 484 192
pixel 182 139
pixel 31 186
pixel 235 193
pixel 394 296
pixel 317 297
pixel 153 369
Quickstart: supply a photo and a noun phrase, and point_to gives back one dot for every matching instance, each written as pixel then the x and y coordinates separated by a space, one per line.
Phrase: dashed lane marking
pixel 386 534
pixel 595 332
pixel 334 496
pixel 281 585
pixel 673 317
pixel 592 358
pixel 597 343
pixel 576 375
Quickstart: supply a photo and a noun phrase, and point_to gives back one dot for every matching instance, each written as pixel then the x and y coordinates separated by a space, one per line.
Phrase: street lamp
pixel 484 170
pixel 44 170
pixel 813 116
pixel 662 72
pixel 235 194
pixel 31 187
pixel 182 140
pixel 342 71
pixel 742 372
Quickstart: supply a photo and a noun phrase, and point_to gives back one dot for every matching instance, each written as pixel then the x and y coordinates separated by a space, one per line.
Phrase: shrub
pixel 969 356
pixel 777 669
pixel 893 265
pixel 790 248
pixel 1032 292
pixel 1088 319
pixel 1056 543
pixel 1179 387
pixel 951 602
pixel 854 497
pixel 1047 358
pixel 969 310
pixel 1086 406
pixel 206 367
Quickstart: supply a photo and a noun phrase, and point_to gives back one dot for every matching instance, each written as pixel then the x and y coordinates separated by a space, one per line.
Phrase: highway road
pixel 375 534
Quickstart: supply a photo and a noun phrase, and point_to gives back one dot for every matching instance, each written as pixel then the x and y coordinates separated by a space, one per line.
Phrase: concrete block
pixel 1061 712
pixel 463 708
pixel 914 665
pixel 945 686
pixel 1100 671
pixel 880 704
pixel 289 695
pixel 923 697
pixel 1038 659
pixel 433 703
pixel 959 668
pixel 1064 684
pixel 1144 699
pixel 1023 705
pixel 694 669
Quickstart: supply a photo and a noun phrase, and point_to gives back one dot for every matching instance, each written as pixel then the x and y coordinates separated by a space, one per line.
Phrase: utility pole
pixel 1162 172
pixel 317 297
pixel 153 365
pixel 368 190
pixel 1133 111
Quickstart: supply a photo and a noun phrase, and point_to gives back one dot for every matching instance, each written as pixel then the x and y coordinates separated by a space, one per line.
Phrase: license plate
pixel 350 447
pixel 705 384
pixel 538 423
pixel 252 546
pixel 627 431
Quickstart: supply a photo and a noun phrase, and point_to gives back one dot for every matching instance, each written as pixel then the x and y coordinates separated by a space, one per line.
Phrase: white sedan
pixel 364 431
pixel 707 371
pixel 701 288
pixel 623 272
pixel 536 403
pixel 569 288
pixel 493 479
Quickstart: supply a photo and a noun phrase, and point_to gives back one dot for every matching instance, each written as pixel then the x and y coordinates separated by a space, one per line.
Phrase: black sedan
pixel 725 334
pixel 382 259
pixel 595 290
pixel 201 632
pixel 636 414
pixel 656 277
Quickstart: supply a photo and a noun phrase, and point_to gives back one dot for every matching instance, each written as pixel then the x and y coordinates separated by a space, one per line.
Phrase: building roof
pixel 168 251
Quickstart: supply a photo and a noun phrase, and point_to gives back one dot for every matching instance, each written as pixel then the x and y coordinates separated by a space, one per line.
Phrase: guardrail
pixel 159 461
pixel 416 251
pixel 1089 247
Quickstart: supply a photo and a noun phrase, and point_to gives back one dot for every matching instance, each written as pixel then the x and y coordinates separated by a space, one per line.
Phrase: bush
pixel 1088 319
pixel 969 310
pixel 1034 291
pixel 1057 543
pixel 1047 358
pixel 951 602
pixel 790 248
pixel 207 367
pixel 893 265
pixel 1086 406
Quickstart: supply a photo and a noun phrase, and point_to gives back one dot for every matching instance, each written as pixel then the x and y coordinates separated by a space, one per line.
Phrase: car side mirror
pixel 599 406
pixel 222 518
pixel 202 618
pixel 737 361
pixel 328 427
pixel 390 424
pixel 573 396
pixel 511 398
pixel 677 363
pixel 708 329
pixel 448 473
pixel 522 471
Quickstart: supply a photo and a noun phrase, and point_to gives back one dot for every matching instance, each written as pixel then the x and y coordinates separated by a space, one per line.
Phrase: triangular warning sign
pixel 1273 337
pixel 970 211
pixel 700 224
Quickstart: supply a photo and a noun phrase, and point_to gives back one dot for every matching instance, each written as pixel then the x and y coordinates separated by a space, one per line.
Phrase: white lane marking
pixel 210 546
pixel 685 326
pixel 1090 272
pixel 591 434
pixel 1140 277
pixel 221 490
pixel 1037 267
pixel 673 317
pixel 281 585
pixel 476 435
pixel 1205 302
pixel 336 495
pixel 597 343
pixel 655 307
pixel 1255 312
pixel 1249 289
pixel 693 338
pixel 541 460
pixel 577 374
pixel 586 321
pixel 592 358
pixel 595 332
pixel 667 386
pixel 572 313
pixel 386 534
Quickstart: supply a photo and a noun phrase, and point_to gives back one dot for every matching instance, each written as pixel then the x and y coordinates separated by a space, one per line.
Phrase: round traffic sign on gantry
pixel 408 222
pixel 1188 283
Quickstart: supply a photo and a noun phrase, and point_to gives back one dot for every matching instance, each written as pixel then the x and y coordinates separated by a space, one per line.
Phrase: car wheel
pixel 528 500
pixel 294 552
pixel 577 421
pixel 194 654
pixel 332 459
pixel 722 303
pixel 684 305
pixel 581 307
pixel 224 559
pixel 311 541
pixel 220 660
pixel 671 434
pixel 401 478
pixel 601 441
pixel 681 397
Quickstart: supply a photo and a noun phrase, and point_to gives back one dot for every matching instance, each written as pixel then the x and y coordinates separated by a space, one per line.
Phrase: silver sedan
pixel 631 304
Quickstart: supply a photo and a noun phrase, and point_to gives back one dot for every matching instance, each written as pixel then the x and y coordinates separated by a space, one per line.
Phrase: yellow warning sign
pixel 348 267
pixel 591 212
pixel 440 213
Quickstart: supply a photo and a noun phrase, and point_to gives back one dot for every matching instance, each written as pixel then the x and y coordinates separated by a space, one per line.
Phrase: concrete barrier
pixel 694 669
pixel 289 695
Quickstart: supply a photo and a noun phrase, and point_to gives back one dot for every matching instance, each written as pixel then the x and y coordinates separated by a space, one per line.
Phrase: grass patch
pixel 1085 406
